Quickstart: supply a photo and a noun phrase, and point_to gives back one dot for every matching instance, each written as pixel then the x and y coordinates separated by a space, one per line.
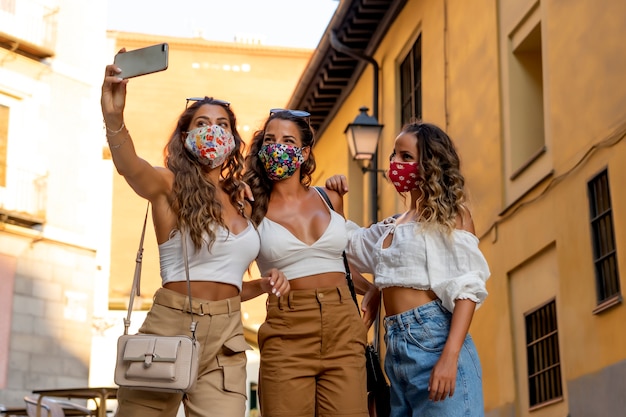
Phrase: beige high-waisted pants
pixel 313 356
pixel 220 390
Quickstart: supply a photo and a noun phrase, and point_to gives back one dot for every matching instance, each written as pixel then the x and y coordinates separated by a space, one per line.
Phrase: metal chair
pixel 56 408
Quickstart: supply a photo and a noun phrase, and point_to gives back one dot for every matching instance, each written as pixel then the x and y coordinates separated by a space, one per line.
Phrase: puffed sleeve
pixel 361 244
pixel 456 267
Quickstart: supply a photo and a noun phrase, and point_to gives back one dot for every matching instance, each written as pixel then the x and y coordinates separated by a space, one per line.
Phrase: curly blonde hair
pixel 193 197
pixel 441 184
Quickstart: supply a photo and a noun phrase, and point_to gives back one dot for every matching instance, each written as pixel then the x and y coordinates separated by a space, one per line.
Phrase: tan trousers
pixel 313 356
pixel 220 390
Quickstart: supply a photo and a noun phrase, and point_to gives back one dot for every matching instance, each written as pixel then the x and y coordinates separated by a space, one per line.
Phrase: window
pixel 526 89
pixel 542 350
pixel 603 239
pixel 411 83
pixel 527 143
pixel 4 140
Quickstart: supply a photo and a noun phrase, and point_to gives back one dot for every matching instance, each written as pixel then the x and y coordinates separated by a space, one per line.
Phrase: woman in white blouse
pixel 432 275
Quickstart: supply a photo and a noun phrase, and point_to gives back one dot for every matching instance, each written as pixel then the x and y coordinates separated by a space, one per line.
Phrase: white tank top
pixel 281 249
pixel 226 262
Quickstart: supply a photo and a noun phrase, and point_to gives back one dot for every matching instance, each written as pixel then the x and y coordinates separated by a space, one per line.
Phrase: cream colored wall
pixel 55 130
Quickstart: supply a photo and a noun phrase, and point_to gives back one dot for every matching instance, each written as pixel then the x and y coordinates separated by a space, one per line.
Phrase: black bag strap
pixel 322 193
pixel 137 278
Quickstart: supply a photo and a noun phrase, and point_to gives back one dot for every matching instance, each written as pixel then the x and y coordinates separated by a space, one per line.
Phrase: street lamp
pixel 363 135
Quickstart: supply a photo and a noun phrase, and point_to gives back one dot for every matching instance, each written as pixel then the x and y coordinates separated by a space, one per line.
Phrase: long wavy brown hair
pixel 193 196
pixel 441 184
pixel 255 175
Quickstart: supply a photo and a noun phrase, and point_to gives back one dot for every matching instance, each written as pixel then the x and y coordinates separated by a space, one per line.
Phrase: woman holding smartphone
pixel 196 197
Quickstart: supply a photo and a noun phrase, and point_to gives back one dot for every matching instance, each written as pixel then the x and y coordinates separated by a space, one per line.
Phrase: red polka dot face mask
pixel 403 175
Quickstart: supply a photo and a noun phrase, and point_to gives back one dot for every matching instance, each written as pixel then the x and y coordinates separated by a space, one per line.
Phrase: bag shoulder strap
pixel 324 195
pixel 135 290
pixel 194 323
pixel 322 192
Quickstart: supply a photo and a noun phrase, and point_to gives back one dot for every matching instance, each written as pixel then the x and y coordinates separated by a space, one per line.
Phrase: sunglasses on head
pixel 296 113
pixel 213 101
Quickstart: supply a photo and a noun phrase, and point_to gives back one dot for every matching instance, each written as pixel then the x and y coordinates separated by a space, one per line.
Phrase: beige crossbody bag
pixel 151 362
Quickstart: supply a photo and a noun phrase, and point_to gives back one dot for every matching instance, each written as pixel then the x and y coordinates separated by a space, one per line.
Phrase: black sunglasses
pixel 295 113
pixel 213 101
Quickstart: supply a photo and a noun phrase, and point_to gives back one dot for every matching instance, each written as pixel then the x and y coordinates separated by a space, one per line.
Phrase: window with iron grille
pixel 603 238
pixel 542 350
pixel 411 83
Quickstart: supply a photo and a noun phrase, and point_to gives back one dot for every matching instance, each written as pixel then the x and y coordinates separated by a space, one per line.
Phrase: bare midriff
pixel 325 280
pixel 205 290
pixel 399 299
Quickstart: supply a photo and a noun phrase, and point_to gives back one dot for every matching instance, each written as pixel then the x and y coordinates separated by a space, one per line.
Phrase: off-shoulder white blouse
pixel 451 265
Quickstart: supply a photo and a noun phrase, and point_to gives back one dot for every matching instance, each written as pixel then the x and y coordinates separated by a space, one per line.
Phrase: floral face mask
pixel 211 145
pixel 280 160
pixel 403 175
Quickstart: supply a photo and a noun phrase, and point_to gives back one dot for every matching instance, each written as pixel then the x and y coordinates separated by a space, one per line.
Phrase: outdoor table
pixel 13 411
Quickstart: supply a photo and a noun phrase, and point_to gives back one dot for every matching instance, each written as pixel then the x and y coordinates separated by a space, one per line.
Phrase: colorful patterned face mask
pixel 280 160
pixel 211 145
pixel 403 175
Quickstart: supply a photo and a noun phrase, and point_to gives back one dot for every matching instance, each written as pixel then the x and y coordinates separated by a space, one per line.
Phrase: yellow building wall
pixel 534 230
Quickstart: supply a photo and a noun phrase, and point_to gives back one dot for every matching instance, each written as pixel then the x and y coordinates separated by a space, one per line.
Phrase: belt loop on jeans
pixel 340 295
pixel 290 300
pixel 417 315
pixel 229 306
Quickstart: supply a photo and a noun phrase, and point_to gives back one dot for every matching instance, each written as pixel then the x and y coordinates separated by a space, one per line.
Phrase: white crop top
pixel 282 250
pixel 226 262
pixel 452 266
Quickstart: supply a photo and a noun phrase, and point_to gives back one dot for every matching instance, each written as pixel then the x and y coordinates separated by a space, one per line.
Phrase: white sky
pixel 292 23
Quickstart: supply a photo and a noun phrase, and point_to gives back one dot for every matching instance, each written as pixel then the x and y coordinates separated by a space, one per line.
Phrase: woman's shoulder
pixel 247 208
pixel 465 222
pixel 167 174
pixel 335 199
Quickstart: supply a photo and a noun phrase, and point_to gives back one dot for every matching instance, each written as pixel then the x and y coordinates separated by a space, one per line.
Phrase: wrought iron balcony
pixel 28 28
pixel 23 197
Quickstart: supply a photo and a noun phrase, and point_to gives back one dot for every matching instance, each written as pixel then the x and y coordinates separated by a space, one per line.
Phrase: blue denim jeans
pixel 415 340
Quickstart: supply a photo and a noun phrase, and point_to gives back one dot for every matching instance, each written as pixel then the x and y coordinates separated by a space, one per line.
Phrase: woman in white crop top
pixel 313 340
pixel 199 191
pixel 432 275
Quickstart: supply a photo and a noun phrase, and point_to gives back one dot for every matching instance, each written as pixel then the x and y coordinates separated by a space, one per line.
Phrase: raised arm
pixel 148 182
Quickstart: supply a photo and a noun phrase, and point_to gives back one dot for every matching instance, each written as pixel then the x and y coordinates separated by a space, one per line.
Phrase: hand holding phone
pixel 142 61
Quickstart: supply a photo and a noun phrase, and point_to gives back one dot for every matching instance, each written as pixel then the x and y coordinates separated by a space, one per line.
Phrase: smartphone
pixel 142 61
